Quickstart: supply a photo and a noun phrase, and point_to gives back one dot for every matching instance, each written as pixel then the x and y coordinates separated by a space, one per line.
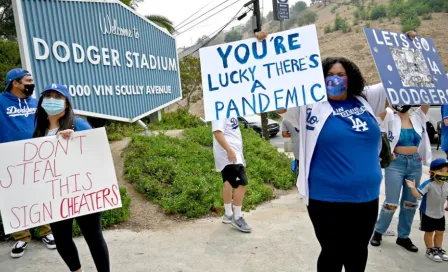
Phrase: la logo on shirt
pixel 358 124
pixel 234 123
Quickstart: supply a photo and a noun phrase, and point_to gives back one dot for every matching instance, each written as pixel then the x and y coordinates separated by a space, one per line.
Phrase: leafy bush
pixel 409 20
pixel 9 58
pixel 179 174
pixel 378 12
pixel 341 24
pixel 178 119
pixel 110 218
pixel 361 14
pixel 327 29
pixel 427 16
pixel 333 10
pixel 307 17
pixel 117 130
pixel 367 25
pixel 274 115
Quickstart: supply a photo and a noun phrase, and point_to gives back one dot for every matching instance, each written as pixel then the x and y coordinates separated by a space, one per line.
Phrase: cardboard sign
pixel 45 180
pixel 249 77
pixel 411 70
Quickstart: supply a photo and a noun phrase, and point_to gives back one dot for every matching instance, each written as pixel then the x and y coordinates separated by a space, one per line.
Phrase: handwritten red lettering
pixel 15 215
pixel 35 171
pixel 61 185
pixel 52 185
pixel 88 174
pixel 76 183
pixel 42 146
pixel 59 144
pixel 115 191
pixel 80 141
pixel 37 213
pixel 25 151
pixel 24 169
pixel 10 178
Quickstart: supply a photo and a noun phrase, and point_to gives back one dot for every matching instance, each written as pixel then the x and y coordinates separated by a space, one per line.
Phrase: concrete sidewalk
pixel 283 240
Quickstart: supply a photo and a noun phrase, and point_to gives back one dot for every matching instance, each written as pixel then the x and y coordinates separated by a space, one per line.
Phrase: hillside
pixel 353 44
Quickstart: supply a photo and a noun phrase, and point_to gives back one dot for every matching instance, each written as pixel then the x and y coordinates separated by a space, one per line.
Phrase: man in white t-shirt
pixel 229 160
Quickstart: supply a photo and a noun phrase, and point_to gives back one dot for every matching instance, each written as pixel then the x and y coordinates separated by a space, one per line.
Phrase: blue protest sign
pixel 115 63
pixel 250 77
pixel 411 70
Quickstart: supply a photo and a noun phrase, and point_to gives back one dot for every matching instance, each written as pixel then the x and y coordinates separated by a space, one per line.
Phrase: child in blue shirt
pixel 432 213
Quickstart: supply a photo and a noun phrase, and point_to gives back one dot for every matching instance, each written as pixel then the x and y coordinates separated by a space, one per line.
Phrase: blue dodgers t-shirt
pixel 345 165
pixel 444 110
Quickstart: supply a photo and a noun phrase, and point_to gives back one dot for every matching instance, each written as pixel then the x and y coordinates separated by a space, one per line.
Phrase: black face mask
pixel 28 90
pixel 402 109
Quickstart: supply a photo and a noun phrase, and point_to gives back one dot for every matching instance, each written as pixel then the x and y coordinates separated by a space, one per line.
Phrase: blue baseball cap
pixel 58 88
pixel 15 74
pixel 438 164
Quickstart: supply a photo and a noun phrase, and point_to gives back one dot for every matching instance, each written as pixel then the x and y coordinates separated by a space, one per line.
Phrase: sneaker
pixel 433 254
pixel 442 254
pixel 18 249
pixel 49 241
pixel 390 233
pixel 227 219
pixel 241 224
pixel 376 239
pixel 407 244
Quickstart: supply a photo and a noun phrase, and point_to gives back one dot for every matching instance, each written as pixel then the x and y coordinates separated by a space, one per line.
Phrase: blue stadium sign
pixel 116 64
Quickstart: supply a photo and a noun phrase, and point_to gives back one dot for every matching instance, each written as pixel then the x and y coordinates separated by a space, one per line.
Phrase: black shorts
pixel 429 224
pixel 235 174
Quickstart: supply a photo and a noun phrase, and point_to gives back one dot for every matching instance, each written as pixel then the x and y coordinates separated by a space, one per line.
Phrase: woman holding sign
pixel 55 116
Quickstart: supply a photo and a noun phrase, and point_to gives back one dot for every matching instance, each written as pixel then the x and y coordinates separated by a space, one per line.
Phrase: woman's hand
pixel 393 156
pixel 411 184
pixel 261 36
pixel 411 34
pixel 65 133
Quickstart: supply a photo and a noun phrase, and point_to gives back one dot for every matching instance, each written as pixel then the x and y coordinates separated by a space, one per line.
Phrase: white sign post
pixel 250 77
pixel 45 180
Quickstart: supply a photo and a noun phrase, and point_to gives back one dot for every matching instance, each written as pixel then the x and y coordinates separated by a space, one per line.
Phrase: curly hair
pixel 355 80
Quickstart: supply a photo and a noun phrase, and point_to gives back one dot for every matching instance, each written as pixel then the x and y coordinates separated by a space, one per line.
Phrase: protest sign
pixel 45 180
pixel 411 71
pixel 249 77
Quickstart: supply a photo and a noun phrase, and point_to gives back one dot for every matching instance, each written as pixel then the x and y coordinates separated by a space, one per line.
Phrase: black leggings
pixel 343 231
pixel 90 226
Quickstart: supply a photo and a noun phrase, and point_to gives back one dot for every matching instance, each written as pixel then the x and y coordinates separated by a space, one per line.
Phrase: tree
pixel 162 21
pixel 307 17
pixel 190 74
pixel 9 59
pixel 233 36
pixel 7 25
pixel 299 7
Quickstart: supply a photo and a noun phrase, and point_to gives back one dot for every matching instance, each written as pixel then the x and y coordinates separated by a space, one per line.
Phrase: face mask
pixel 441 178
pixel 402 109
pixel 53 106
pixel 28 90
pixel 336 85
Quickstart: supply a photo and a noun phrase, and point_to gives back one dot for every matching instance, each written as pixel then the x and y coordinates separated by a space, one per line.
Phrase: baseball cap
pixel 438 164
pixel 15 74
pixel 58 88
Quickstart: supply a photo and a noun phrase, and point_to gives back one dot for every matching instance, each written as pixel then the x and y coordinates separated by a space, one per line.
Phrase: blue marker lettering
pixel 304 95
pixel 314 59
pixel 252 72
pixel 301 64
pixel 257 84
pixel 245 57
pixel 210 87
pixel 317 85
pixel 232 77
pixel 293 42
pixel 225 55
pixel 261 102
pixel 277 98
pixel 292 97
pixel 232 106
pixel 252 107
pixel 263 54
pixel 226 83
pixel 243 75
pixel 295 66
pixel 219 106
pixel 268 68
pixel 287 65
pixel 278 44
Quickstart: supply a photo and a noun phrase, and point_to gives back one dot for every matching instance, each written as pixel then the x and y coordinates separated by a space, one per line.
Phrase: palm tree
pixel 162 21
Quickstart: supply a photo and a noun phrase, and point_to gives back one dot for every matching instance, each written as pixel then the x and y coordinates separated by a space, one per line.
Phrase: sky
pixel 179 10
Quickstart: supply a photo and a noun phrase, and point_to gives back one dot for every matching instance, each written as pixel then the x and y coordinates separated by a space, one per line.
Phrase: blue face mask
pixel 53 106
pixel 336 85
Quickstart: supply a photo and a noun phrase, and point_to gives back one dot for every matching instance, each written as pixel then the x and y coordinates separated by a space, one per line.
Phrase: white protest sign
pixel 45 180
pixel 249 77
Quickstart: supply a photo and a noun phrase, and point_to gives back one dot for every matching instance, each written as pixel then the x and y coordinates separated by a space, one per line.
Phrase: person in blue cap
pixel 55 116
pixel 432 214
pixel 17 110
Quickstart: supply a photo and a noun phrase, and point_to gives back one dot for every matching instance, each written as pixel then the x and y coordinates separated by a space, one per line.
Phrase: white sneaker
pixel 433 254
pixel 49 241
pixel 442 254
pixel 18 249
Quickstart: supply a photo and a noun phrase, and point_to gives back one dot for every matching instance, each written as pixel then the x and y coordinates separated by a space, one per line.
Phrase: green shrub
pixel 178 119
pixel 115 136
pixel 274 115
pixel 179 174
pixel 409 21
pixel 367 25
pixel 327 28
pixel 110 218
pixel 117 130
pixel 341 24
pixel 361 14
pixel 307 17
pixel 379 11
pixel 333 10
pixel 397 7
pixel 427 16
pixel 355 22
